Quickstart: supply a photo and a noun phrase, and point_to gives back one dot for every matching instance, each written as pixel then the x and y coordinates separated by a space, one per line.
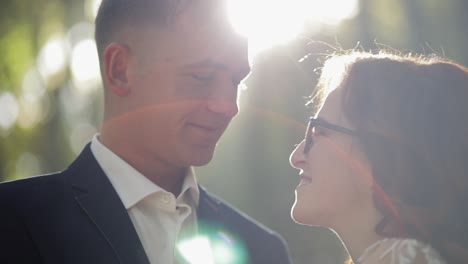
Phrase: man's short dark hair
pixel 113 15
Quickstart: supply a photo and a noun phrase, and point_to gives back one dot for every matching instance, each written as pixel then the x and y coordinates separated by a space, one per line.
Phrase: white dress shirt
pixel 400 251
pixel 160 219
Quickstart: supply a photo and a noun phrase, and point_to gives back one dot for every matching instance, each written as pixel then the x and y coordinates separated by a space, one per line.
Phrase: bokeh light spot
pixel 9 110
pixel 28 164
pixel 53 57
pixel 85 66
pixel 268 23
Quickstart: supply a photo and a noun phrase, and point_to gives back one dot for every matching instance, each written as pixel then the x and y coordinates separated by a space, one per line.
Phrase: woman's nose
pixel 297 156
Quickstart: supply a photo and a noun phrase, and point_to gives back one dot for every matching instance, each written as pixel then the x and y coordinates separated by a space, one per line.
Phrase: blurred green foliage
pixel 252 158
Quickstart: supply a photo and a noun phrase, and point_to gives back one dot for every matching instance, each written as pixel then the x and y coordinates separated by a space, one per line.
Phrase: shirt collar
pixel 131 185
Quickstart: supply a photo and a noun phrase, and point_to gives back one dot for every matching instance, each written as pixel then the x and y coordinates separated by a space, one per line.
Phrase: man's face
pixel 184 86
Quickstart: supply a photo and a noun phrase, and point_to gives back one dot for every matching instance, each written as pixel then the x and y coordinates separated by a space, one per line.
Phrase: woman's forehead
pixel 331 105
pixel 332 109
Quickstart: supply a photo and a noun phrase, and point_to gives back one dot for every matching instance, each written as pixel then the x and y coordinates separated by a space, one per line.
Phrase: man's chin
pixel 200 163
pixel 201 158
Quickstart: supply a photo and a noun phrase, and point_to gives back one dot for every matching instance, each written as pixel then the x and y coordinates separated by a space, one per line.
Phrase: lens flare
pixel 214 246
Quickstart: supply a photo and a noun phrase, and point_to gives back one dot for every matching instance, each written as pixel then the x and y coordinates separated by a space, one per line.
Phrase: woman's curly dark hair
pixel 411 115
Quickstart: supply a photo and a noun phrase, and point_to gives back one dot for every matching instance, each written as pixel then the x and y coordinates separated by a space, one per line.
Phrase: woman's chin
pixel 298 216
pixel 303 216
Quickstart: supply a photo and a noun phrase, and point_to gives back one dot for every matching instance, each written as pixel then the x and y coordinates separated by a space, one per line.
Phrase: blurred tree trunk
pixel 415 23
pixel 364 32
pixel 462 22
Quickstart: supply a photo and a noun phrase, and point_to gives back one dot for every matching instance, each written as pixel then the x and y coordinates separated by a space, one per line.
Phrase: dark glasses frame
pixel 313 122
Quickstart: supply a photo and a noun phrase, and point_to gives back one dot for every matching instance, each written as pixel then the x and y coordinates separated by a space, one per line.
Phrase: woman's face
pixel 334 174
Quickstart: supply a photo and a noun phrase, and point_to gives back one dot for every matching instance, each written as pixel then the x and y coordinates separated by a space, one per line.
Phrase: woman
pixel 385 161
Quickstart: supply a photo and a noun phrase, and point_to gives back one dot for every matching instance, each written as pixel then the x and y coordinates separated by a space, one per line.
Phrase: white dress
pixel 400 251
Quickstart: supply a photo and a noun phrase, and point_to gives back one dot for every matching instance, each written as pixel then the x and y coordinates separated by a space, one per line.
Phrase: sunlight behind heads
pixel 274 22
pixel 91 8
pixel 330 12
pixel 265 22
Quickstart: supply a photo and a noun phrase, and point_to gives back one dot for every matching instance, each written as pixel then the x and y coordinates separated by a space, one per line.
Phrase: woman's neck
pixel 358 232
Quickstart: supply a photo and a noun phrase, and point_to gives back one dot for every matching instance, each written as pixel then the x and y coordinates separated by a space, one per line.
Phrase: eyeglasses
pixel 313 122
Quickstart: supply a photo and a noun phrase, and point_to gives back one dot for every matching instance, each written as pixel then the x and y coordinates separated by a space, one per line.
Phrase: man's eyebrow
pixel 210 64
pixel 207 63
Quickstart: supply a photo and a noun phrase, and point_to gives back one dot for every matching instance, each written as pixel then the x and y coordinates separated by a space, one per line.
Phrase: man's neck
pixel 171 181
pixel 164 175
pixel 167 177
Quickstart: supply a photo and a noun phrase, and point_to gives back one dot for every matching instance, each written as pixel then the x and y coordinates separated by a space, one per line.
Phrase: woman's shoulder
pixel 400 251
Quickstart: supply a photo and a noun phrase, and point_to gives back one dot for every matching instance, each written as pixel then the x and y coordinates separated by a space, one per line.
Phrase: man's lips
pixel 203 127
pixel 208 127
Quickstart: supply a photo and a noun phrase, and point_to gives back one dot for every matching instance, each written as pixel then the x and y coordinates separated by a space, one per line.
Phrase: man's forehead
pixel 201 32
pixel 186 18
pixel 210 15
pixel 213 43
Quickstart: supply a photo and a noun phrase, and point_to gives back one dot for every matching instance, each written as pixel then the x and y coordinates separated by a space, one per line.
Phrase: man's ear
pixel 116 65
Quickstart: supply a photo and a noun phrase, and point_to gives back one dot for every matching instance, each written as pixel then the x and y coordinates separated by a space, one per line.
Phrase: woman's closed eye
pixel 313 134
pixel 319 131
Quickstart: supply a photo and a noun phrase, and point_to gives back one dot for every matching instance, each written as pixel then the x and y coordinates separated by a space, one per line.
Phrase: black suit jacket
pixel 76 216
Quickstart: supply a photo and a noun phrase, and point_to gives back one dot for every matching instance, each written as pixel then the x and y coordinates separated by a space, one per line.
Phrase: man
pixel 170 72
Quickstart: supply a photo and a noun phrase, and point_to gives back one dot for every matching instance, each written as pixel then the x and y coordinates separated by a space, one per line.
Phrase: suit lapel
pixel 208 208
pixel 100 202
pixel 224 225
pixel 213 214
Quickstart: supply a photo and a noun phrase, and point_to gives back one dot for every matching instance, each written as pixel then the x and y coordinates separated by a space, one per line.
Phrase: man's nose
pixel 226 107
pixel 223 99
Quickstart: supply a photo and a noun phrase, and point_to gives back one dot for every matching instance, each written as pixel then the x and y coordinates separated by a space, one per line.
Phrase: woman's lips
pixel 305 180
